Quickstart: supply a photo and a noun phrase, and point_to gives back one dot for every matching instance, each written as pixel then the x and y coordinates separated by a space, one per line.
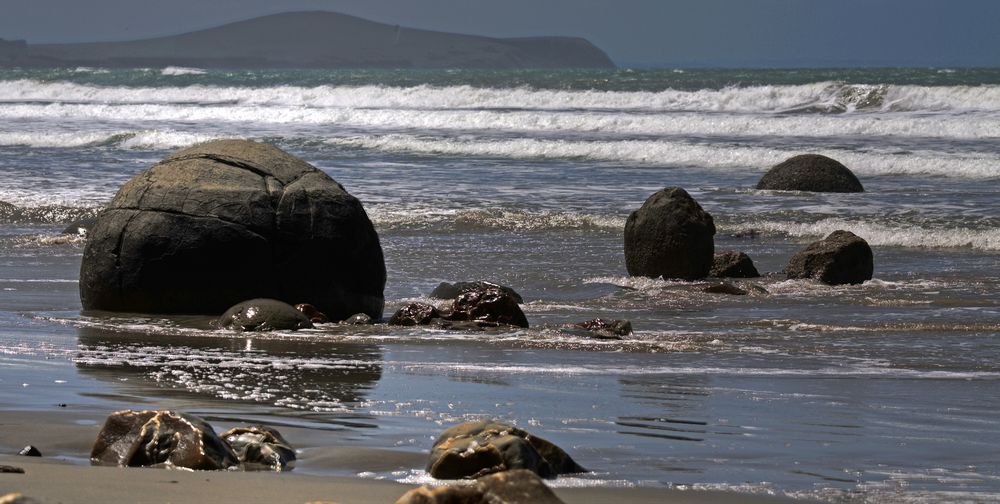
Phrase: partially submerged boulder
pixel 669 236
pixel 606 328
pixel 733 264
pixel 160 438
pixel 474 449
pixel 813 173
pixel 259 446
pixel 841 258
pixel 490 305
pixel 518 486
pixel 725 288
pixel 446 290
pixel 315 316
pixel 264 315
pixel 414 314
pixel 230 220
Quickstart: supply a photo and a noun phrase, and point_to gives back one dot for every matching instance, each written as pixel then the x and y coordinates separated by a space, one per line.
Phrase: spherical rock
pixel 841 258
pixel 810 172
pixel 733 264
pixel 517 486
pixel 264 315
pixel 259 446
pixel 230 220
pixel 669 236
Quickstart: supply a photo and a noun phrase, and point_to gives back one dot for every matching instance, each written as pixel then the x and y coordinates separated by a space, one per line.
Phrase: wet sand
pixel 63 474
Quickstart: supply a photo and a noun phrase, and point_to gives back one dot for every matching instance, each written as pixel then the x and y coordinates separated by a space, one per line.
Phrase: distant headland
pixel 313 40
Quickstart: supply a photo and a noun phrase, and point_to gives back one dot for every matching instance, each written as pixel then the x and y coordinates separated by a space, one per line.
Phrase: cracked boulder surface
pixel 230 220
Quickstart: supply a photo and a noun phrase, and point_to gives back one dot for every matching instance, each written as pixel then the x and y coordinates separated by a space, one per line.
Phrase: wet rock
pixel 474 449
pixel 488 305
pixel 230 220
pixel 607 328
pixel 517 486
pixel 264 315
pixel 160 438
pixel 414 314
pixel 11 469
pixel 80 227
pixel 315 316
pixel 358 319
pixel 447 290
pixel 840 258
pixel 30 451
pixel 669 236
pixel 17 498
pixel 260 447
pixel 733 264
pixel 810 172
pixel 725 288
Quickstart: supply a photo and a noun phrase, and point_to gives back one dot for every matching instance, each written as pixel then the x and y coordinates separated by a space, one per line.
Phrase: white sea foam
pixel 146 139
pixel 175 70
pixel 882 234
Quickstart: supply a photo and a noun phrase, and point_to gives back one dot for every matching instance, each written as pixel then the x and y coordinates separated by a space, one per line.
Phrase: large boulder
pixel 810 172
pixel 474 449
pixel 841 258
pixel 161 438
pixel 518 486
pixel 669 236
pixel 230 220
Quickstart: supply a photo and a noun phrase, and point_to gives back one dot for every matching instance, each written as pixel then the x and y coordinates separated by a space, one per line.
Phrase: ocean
pixel 881 392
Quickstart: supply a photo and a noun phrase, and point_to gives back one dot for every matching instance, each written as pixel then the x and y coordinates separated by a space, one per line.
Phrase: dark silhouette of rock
pixel 317 40
pixel 6 469
pixel 474 449
pixel 489 305
pixel 725 288
pixel 414 314
pixel 259 446
pixel 264 315
pixel 607 328
pixel 229 220
pixel 841 258
pixel 153 438
pixel 810 172
pixel 446 290
pixel 733 264
pixel 358 319
pixel 518 486
pixel 30 451
pixel 315 316
pixel 669 236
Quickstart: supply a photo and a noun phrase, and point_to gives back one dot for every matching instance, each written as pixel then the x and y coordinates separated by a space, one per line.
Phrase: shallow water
pixel 878 392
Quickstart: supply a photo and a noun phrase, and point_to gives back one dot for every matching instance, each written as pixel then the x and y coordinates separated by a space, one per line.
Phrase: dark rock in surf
pixel 446 290
pixel 810 172
pixel 29 451
pixel 606 328
pixel 841 258
pixel 475 449
pixel 725 288
pixel 259 446
pixel 518 486
pixel 264 315
pixel 229 220
pixel 315 316
pixel 358 319
pixel 6 469
pixel 160 438
pixel 490 305
pixel 414 314
pixel 733 264
pixel 80 227
pixel 669 236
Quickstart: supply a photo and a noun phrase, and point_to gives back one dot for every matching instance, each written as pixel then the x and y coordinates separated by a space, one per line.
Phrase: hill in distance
pixel 314 40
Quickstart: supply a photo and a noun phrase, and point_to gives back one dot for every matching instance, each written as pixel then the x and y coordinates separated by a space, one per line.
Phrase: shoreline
pixel 62 475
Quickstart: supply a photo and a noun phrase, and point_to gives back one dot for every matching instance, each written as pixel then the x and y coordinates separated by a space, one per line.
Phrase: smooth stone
pixel 264 315
pixel 160 438
pixel 474 449
pixel 358 319
pixel 733 264
pixel 516 486
pixel 812 173
pixel 488 306
pixel 259 446
pixel 669 236
pixel 841 258
pixel 229 220
pixel 446 290
pixel 30 451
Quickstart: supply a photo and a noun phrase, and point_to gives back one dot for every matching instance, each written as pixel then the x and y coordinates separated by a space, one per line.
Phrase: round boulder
pixel 841 258
pixel 264 315
pixel 229 220
pixel 733 264
pixel 810 172
pixel 669 236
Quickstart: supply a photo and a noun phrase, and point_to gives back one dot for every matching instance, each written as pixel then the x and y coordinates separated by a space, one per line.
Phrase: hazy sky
pixel 665 33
